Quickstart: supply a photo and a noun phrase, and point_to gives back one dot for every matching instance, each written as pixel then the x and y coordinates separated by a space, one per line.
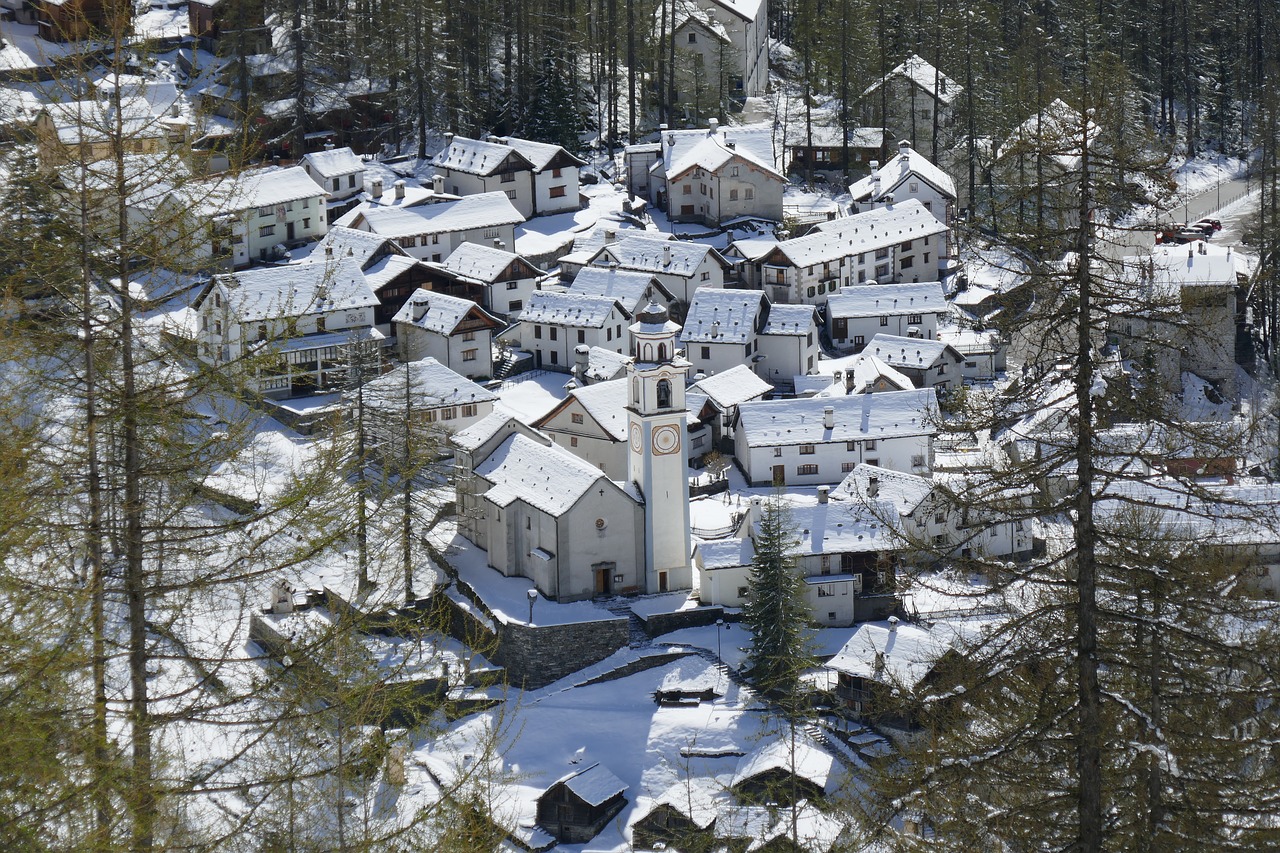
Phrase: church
pixel 543 513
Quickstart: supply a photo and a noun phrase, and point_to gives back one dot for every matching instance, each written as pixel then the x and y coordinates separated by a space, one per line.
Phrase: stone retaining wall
pixel 657 624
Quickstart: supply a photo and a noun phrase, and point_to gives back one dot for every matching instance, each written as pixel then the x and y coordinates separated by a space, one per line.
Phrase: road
pixel 1118 244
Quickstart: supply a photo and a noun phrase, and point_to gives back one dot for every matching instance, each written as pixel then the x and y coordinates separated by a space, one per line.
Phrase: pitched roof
pixel 736 385
pixel 387 269
pixel 334 162
pixel 77 122
pixel 789 319
pixel 604 364
pixel 767 423
pixel 295 290
pixel 567 309
pixel 808 761
pixel 862 232
pixel 543 476
pixel 625 286
pixel 878 300
pixel 726 553
pixel 835 528
pixel 594 786
pixel 482 210
pixel 606 403
pixel 722 316
pixel 254 188
pixel 1055 130
pixel 658 256
pixel 925 76
pixel 540 154
pixel 866 370
pixel 438 312
pixel 349 242
pixel 684 150
pixel 431 384
pixel 699 799
pixel 477 157
pixel 895 172
pixel 909 353
pixel 482 430
pixel 902 654
pixel 904 492
pixel 479 262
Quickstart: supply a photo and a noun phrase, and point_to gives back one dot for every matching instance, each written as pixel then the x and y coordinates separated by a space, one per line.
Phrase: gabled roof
pixel 685 150
pixel 430 383
pixel 605 403
pixel 879 300
pixel 902 655
pixel 545 477
pixel 924 75
pixel 387 269
pixel 482 263
pixel 594 786
pixel 723 316
pixel 790 319
pixel 334 162
pixel 910 353
pixel 866 370
pixel 542 154
pixel 567 309
pixel 361 245
pixel 483 210
pixel 251 189
pixel 484 429
pixel 699 799
pixel 657 256
pixel 626 287
pixel 808 761
pixel 1055 131
pixel 604 364
pixel 904 492
pixel 736 385
pixel 296 290
pixel 835 528
pixel 897 170
pixel 476 157
pixel 726 553
pixel 441 313
pixel 1168 269
pixel 861 232
pixel 77 122
pixel 768 423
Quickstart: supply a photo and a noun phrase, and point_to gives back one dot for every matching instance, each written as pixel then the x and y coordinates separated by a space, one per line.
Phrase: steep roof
pixel 567 309
pixel 482 210
pixel 295 290
pixel 349 242
pixel 878 300
pixel 910 353
pixel 254 188
pixel 736 385
pixel 594 786
pixel 541 154
pixel 477 157
pixel 722 316
pixel 479 262
pixel 685 150
pixel 895 172
pixel 605 402
pixel 726 553
pixel 904 492
pixel 439 312
pixel 866 370
pixel 77 122
pixel 628 288
pixel 902 654
pixel 857 418
pixel 1055 131
pixel 789 319
pixel 861 232
pixel 431 384
pixel 808 761
pixel 334 162
pixel 658 256
pixel 923 74
pixel 544 476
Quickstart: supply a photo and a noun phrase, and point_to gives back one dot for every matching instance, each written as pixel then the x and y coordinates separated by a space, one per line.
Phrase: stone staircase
pixel 512 363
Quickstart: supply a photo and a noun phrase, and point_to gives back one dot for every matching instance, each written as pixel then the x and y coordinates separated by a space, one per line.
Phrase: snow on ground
pixel 1205 172
pixel 547 235
pixel 991 269
pixel 529 396
pixel 162 23
pixel 24 49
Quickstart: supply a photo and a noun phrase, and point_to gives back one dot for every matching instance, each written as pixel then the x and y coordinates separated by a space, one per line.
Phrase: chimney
pixel 375 188
pixel 175 109
pixel 755 510
pixel 328 251
pixel 829 417
pixel 437 184
pixel 282 598
pixel 610 235
pixel 824 493
pixel 875 166
pixel 713 127
pixel 731 145
pixel 666 254
pixel 399 185
pixel 715 329
pixel 328 145
pixel 498 244
pixel 448 140
pixel 581 357
pixel 420 310
pixel 904 147
pixel 873 486
pixel 893 623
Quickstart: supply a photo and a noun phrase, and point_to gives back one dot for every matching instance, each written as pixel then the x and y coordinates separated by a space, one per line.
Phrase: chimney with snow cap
pixel 893 623
pixel 498 243
pixel 824 493
pixel 713 126
pixel 666 254
pixel 904 147
pixel 829 417
pixel 581 358
pixel 437 184
pixel 448 140
pixel 399 185
pixel 375 188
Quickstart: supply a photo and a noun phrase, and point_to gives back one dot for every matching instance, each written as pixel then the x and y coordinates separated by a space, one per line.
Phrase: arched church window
pixel 648 352
pixel 635 392
pixel 664 393
pixel 662 352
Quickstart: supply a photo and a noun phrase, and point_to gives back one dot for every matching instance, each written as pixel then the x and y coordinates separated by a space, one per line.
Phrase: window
pixel 742 591
pixel 917 461
pixel 687 189
pixel 555 173
pixel 907 263
pixel 884 321
pixel 306 223
pixel 703 188
pixel 515 305
pixel 806 470
pixel 337 184
pixel 706 353
pixel 806 450
pixel 826 592
pixel 826 564
pixel 555 357
pixel 882 271
pixel 408 242
pixel 573 441
pixel 693 38
pixel 537 332
pixel 468 336
pixel 859 340
pixel 266 230
pixel 906 247
pixel 489 234
pixel 846 467
pixel 469 410
pixel 941 540
pixel 554 333
pixel 749 193
pixel 448 413
pixel 706 276
pixel 262 331
pixel 575 417
pixel 939 517
pixel 511 194
pixel 881 254
pixel 926 257
pixel 851 446
pixel 914 319
pixel 265 211
pixel 777 453
pixel 748 349
pixel 733 171
pixel 664 394
pixel 608 334
pixel 320 324
pixel 508 177
pixel 871 444
pixel 582 336
pixel 557 192
pixel 512 285
pixel 733 195
pixel 875 462
pixel 469 354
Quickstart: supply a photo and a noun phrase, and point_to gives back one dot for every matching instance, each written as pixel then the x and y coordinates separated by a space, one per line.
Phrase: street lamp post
pixel 533 596
pixel 719 625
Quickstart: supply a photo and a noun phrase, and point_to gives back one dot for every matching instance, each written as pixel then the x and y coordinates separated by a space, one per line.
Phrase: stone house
pixel 899 242
pixel 929 364
pixel 910 100
pixel 456 332
pixel 432 232
pixel 536 177
pixel 578 805
pixel 83 131
pixel 729 39
pixel 774 772
pixel 909 175
pixel 857 313
pixel 292 326
pixel 815 440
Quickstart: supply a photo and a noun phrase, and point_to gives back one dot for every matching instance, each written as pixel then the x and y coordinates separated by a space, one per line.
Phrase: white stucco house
pixel 816 440
pixel 552 325
pixel 290 327
pixel 504 280
pixel 730 36
pixel 432 232
pixel 726 327
pixel 909 101
pixel 538 178
pixel 908 175
pixel 681 266
pixel 340 172
pixel 436 399
pixel 858 313
pixel 929 364
pixel 456 332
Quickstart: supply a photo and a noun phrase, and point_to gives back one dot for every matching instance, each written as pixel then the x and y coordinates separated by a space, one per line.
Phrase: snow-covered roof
pixel 604 364
pixel 754 248
pixel 334 163
pixel 722 316
pixel 568 309
pixel 862 232
pixel 747 10
pixel 430 383
pixel 595 785
pixel 160 95
pixel 349 242
pixel 827 133
pixel 808 761
pixel 841 527
pixel 866 370
pixel 685 150
pixel 483 210
pixel 924 75
pixel 1193 265
pixel 252 189
pixel 540 154
pixel 147 177
pixel 626 287
pixel 788 319
pixel 477 157
pixel 902 654
pixel 296 290
pixel 479 262
pixel 894 173
pixel 606 403
pixel 699 798
pixel 736 385
pixel 438 312
pixel 768 423
pixel 387 269
pixel 77 122
pixel 481 431
pixel 909 353
pixel 880 300
pixel 545 477
pixel 1055 131
pixel 726 553
pixel 641 252
pixel 904 492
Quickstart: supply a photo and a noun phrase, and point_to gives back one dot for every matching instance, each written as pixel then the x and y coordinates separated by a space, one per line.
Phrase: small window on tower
pixel 664 393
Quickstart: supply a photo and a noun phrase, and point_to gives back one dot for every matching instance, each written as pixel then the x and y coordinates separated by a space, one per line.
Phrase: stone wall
pixel 657 624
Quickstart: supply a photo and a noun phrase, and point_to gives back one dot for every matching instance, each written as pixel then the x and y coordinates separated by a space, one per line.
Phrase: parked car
pixel 1208 226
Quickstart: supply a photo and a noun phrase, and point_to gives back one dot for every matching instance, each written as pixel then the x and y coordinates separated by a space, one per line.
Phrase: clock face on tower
pixel 637 440
pixel 666 439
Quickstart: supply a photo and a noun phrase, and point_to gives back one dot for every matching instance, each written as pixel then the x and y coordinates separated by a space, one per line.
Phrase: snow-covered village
pixel 649 426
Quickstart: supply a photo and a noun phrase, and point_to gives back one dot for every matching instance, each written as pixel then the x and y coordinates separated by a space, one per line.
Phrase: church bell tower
pixel 658 455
